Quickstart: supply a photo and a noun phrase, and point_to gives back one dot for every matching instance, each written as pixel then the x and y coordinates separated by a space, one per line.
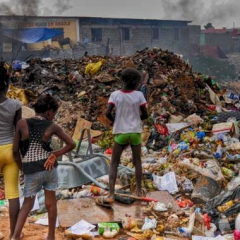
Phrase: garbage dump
pixel 190 149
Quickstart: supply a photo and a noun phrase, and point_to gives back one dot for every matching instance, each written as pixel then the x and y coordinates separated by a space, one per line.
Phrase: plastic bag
pixel 211 170
pixel 194 119
pixel 187 231
pixel 167 182
pixel 93 68
pixel 161 129
pixel 236 131
pixel 221 199
pixel 149 224
pixel 129 223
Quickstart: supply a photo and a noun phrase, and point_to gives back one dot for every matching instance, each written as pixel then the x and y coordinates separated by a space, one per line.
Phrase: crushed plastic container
pixel 237 222
pixel 224 225
pixel 219 152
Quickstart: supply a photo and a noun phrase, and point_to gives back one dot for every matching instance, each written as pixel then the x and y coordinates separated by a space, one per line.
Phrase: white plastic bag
pixel 167 182
pixel 149 224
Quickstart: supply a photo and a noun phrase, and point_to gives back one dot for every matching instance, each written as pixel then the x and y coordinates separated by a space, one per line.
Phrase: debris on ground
pixel 190 150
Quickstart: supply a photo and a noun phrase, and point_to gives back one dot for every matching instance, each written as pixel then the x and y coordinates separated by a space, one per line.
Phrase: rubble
pixel 173 87
pixel 190 152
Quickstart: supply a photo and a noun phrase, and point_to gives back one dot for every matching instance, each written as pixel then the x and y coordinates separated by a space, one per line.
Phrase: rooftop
pixel 89 17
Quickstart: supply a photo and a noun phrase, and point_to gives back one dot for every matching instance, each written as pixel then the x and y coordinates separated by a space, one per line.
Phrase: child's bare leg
pixel 51 205
pixel 136 152
pixel 116 155
pixel 14 207
pixel 22 216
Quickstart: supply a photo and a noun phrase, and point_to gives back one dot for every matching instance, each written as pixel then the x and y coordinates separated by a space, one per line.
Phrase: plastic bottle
pixel 94 190
pixel 187 231
pixel 211 232
pixel 227 172
pixel 237 228
pixel 219 152
pixel 224 225
pixel 237 222
pixel 233 184
pixel 2 203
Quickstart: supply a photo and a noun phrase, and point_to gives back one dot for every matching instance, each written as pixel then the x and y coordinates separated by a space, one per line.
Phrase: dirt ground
pixel 32 231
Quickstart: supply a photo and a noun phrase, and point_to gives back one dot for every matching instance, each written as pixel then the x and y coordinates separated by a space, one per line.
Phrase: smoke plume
pixel 201 11
pixel 33 7
pixel 21 7
pixel 62 6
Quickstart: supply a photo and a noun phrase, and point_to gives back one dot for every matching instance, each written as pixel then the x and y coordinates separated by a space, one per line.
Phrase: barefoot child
pixel 38 161
pixel 130 108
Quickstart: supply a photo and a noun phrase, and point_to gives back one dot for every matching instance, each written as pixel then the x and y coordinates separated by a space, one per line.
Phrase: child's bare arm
pixel 69 145
pixel 17 117
pixel 144 112
pixel 16 143
pixel 109 112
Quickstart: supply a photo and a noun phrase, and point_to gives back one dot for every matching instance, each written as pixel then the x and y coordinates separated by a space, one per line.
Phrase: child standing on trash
pixel 38 161
pixel 10 114
pixel 130 110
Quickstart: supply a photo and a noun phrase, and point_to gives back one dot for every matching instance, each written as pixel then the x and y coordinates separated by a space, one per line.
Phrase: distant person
pixel 10 114
pixel 130 108
pixel 39 161
pixel 145 83
pixel 86 41
pixel 86 54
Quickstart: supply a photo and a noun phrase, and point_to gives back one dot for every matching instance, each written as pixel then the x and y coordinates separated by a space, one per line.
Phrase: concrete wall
pixel 224 41
pixel 176 36
pixel 140 37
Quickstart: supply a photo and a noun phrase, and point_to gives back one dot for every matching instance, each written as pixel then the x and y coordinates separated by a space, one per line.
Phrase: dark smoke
pixel 62 6
pixel 5 9
pixel 21 7
pixel 32 7
pixel 201 12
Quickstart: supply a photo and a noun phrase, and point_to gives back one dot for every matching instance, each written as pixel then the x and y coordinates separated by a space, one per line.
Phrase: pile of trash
pixel 190 150
pixel 85 84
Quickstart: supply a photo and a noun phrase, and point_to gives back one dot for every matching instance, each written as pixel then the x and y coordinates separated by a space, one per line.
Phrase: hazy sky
pixel 222 13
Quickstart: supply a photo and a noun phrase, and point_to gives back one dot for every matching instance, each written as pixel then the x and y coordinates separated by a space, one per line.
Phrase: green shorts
pixel 128 138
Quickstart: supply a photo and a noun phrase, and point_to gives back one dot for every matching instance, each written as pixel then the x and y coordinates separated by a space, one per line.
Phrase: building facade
pixel 108 35
pixel 69 26
pixel 228 40
pixel 125 36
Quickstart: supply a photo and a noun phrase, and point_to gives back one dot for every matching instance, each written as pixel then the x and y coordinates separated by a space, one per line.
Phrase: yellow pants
pixel 10 171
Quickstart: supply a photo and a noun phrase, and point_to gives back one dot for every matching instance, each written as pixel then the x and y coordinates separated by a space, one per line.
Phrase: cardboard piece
pixel 81 124
pixel 43 220
pixel 226 127
pixel 35 206
pixel 174 127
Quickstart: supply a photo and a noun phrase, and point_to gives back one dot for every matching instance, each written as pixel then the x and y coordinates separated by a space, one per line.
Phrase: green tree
pixel 208 25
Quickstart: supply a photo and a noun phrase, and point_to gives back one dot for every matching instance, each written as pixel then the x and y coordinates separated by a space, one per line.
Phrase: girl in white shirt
pixel 130 110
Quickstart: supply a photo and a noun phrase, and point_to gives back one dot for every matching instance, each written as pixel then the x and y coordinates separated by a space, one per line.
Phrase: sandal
pixel 143 192
pixel 101 201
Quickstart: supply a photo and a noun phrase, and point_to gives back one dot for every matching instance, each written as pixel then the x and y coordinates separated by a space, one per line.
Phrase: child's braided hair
pixel 4 77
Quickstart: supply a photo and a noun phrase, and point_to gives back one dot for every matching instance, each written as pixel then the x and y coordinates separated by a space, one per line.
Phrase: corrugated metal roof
pixel 90 17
